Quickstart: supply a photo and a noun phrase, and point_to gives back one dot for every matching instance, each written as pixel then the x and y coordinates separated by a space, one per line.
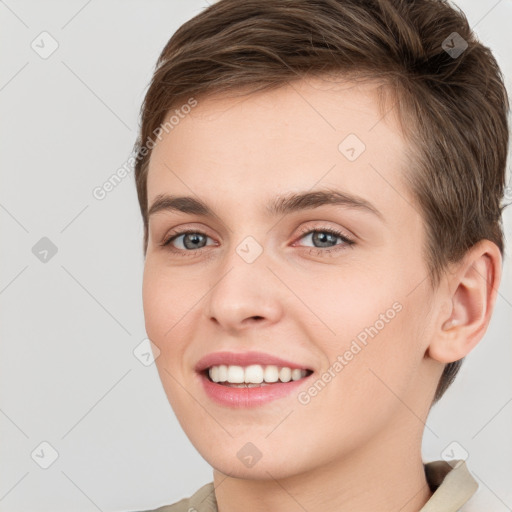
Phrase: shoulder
pixel 203 500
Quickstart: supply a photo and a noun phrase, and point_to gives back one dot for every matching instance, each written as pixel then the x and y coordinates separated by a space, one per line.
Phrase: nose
pixel 246 294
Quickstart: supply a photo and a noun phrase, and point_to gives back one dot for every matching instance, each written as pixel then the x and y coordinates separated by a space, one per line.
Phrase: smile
pixel 254 375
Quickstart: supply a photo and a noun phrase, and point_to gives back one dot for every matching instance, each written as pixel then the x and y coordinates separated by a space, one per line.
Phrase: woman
pixel 320 184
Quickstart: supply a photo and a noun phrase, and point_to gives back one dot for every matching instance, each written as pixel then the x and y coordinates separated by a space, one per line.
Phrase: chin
pixel 237 463
pixel 260 471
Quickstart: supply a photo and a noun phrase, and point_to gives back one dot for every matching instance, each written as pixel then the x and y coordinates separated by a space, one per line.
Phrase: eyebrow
pixel 280 205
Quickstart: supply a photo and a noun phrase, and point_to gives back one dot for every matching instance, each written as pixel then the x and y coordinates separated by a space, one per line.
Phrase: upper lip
pixel 243 359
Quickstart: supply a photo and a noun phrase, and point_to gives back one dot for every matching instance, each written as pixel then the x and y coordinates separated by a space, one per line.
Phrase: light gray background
pixel 68 375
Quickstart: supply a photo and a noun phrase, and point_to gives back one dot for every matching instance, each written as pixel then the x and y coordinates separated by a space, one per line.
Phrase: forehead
pixel 297 136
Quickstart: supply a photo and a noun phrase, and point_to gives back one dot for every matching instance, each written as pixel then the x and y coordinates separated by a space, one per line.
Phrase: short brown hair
pixel 452 106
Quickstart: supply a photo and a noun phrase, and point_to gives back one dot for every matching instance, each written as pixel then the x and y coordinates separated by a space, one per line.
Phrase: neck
pixel 387 474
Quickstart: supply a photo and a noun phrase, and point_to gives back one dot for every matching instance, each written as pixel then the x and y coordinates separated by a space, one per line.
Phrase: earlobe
pixel 472 288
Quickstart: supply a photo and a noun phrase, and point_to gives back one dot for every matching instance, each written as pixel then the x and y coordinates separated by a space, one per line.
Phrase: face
pixel 333 286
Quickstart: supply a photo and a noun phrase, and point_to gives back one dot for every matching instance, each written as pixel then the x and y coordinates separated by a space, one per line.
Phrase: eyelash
pixel 347 242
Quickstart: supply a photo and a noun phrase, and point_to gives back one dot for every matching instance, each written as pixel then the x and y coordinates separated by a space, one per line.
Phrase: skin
pixel 356 446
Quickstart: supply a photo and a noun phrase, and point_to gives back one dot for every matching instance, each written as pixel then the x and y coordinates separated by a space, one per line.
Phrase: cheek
pixel 155 298
pixel 391 355
pixel 376 332
pixel 369 376
pixel 167 298
pixel 349 303
pixel 166 306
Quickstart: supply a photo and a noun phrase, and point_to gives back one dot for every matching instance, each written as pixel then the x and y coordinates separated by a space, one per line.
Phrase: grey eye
pixel 193 240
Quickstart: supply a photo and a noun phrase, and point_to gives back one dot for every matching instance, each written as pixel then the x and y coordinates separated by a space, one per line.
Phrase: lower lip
pixel 248 397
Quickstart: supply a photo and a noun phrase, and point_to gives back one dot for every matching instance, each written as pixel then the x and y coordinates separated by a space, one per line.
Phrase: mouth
pixel 252 376
pixel 249 379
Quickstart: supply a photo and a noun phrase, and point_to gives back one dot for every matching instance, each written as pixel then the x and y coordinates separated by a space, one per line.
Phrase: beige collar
pixel 452 484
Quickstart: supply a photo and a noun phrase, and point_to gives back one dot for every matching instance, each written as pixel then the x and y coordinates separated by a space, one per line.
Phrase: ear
pixel 471 288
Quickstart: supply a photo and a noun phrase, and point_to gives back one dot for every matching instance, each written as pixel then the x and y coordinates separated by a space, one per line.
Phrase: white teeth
pixel 271 374
pixel 214 373
pixel 223 373
pixel 285 374
pixel 296 374
pixel 254 374
pixel 235 374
